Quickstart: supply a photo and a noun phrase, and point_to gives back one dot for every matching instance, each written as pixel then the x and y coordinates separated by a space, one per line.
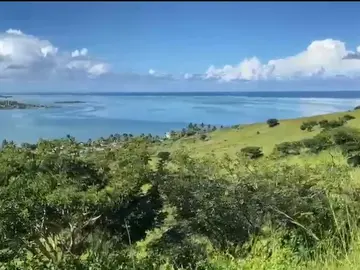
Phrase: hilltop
pixel 230 140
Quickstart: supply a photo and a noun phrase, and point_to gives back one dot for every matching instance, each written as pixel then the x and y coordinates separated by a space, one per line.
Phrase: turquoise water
pixel 102 115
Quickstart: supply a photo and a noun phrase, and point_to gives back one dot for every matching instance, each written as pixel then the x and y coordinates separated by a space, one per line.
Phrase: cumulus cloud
pixel 322 58
pixel 26 56
pixel 23 55
pixel 82 52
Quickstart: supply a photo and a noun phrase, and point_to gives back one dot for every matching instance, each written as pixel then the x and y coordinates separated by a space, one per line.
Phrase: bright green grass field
pixel 231 140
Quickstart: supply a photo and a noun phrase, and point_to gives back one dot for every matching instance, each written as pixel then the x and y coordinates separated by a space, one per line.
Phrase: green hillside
pixel 200 200
pixel 231 140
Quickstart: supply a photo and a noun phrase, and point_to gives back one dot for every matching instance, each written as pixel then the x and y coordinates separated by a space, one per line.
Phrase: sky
pixel 179 46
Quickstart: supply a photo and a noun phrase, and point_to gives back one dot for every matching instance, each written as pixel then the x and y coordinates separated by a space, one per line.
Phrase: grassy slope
pixel 231 141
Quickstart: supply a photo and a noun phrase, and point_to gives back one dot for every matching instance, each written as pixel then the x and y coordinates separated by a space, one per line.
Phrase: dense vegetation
pixel 120 203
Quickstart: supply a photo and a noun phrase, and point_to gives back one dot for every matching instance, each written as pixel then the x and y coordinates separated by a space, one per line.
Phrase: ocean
pixel 102 114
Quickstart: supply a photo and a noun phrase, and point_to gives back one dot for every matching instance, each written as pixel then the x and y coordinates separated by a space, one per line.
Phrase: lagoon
pixel 101 114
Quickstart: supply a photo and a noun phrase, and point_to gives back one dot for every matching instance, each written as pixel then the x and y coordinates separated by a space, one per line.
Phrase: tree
pixel 4 143
pixel 272 122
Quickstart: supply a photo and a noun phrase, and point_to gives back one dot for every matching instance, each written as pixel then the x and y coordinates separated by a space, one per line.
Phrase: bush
pixel 354 160
pixel 357 107
pixel 288 148
pixel 272 122
pixel 308 125
pixel 252 152
pixel 348 117
pixel 345 135
pixel 333 124
pixel 164 155
pixel 319 143
pixel 203 137
pixel 323 123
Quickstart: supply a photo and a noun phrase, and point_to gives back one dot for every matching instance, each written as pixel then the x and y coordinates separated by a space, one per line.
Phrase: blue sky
pixel 179 46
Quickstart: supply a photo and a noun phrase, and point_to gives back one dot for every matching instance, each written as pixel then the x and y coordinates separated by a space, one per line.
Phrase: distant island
pixel 12 104
pixel 4 96
pixel 69 102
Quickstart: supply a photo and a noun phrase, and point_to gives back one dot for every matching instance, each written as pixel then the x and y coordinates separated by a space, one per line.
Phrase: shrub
pixel 308 125
pixel 272 122
pixel 252 152
pixel 164 155
pixel 354 160
pixel 348 117
pixel 345 135
pixel 334 124
pixel 203 137
pixel 357 107
pixel 288 148
pixel 323 123
pixel 190 133
pixel 318 143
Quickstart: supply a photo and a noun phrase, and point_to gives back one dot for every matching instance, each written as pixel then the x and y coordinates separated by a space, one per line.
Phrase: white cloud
pixel 158 74
pixel 23 55
pixel 326 58
pixel 27 56
pixel 14 31
pixel 82 52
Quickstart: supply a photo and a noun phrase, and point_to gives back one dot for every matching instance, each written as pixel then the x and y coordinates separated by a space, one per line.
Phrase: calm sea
pixel 102 114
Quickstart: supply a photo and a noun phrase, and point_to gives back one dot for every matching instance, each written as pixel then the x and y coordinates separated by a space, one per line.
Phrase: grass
pixel 231 140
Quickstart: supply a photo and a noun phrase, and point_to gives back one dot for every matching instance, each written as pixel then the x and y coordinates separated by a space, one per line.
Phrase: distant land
pixel 12 105
pixel 260 94
pixel 69 102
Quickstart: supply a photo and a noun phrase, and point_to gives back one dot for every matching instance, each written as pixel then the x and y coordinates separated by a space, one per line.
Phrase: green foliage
pixel 252 152
pixel 348 117
pixel 203 137
pixel 272 122
pixel 333 124
pixel 164 156
pixel 68 205
pixel 318 143
pixel 323 123
pixel 288 148
pixel 309 125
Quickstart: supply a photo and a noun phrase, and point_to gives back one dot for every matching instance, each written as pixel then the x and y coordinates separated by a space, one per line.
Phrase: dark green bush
pixel 333 124
pixel 323 123
pixel 288 148
pixel 354 160
pixel 272 122
pixel 357 107
pixel 252 152
pixel 348 117
pixel 164 155
pixel 318 143
pixel 345 135
pixel 309 125
pixel 203 137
